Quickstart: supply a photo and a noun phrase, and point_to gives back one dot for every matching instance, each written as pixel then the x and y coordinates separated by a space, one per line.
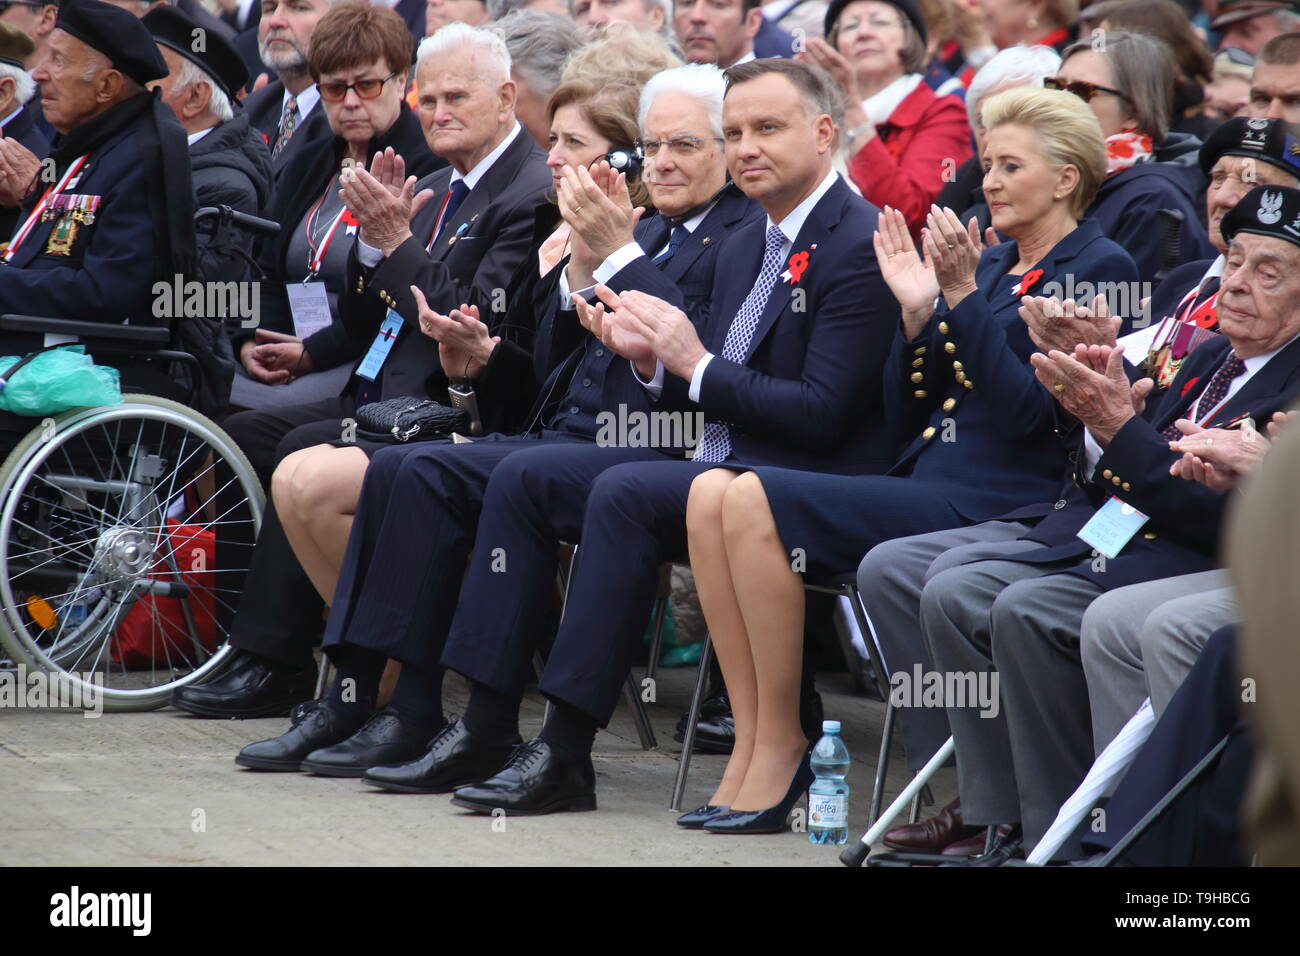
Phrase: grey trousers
pixel 890 580
pixel 1141 641
pixel 246 392
pixel 1021 620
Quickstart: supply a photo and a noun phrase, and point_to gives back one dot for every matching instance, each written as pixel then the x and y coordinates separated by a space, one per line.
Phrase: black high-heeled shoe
pixel 695 819
pixel 773 819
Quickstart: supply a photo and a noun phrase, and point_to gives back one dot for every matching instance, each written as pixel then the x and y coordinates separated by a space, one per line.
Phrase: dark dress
pixel 991 444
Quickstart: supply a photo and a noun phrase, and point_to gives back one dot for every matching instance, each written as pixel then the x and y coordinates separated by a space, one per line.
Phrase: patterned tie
pixel 288 123
pixel 456 196
pixel 1213 394
pixel 675 240
pixel 715 443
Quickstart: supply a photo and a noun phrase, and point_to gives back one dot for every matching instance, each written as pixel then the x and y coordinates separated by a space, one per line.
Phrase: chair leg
pixel 323 676
pixel 914 812
pixel 882 766
pixel 656 637
pixel 869 638
pixel 632 691
pixel 688 738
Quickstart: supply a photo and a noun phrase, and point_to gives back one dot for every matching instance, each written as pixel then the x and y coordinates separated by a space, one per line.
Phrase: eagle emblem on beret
pixel 1270 208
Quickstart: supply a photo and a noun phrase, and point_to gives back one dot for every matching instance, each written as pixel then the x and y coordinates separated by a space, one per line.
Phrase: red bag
pixel 155 620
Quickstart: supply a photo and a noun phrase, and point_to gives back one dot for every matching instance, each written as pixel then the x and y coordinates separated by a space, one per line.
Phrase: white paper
pixel 310 306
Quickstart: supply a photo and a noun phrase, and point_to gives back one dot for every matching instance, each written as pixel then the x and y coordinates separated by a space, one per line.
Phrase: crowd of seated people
pixel 988 306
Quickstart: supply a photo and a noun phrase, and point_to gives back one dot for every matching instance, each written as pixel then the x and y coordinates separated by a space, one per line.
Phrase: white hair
pixel 24 85
pixel 452 37
pixel 192 74
pixel 704 81
pixel 1014 66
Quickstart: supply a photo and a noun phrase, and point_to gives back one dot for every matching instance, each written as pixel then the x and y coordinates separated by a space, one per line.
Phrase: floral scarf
pixel 1125 149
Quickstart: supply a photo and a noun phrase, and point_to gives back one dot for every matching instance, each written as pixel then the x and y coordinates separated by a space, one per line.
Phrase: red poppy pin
pixel 797 265
pixel 1187 387
pixel 1026 282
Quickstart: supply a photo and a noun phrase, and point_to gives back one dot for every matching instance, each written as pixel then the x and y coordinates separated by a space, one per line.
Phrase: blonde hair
pixel 623 53
pixel 1067 130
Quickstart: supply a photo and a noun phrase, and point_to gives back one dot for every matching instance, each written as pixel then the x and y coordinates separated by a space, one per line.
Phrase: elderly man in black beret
pixel 16 90
pixel 113 212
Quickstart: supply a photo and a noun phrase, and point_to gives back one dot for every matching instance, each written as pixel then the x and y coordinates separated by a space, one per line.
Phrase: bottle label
pixel 828 811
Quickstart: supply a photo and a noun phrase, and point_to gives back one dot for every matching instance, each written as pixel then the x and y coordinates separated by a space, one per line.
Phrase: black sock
pixel 491 716
pixel 418 697
pixel 570 732
pixel 356 682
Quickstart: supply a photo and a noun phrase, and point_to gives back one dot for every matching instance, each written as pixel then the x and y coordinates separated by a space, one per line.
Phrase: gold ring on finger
pixel 1060 387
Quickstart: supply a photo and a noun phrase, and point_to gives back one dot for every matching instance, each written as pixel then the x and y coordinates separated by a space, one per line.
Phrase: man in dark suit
pixel 118 216
pixel 1129 520
pixel 439 488
pixel 287 110
pixel 632 515
pixel 456 254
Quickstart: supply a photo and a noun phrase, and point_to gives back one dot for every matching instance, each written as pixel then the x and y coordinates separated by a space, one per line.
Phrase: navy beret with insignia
pixel 118 35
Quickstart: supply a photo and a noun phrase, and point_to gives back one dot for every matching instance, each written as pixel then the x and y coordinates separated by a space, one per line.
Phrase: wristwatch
pixel 851 134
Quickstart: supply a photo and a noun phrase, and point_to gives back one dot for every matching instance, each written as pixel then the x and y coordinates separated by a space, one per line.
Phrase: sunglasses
pixel 1081 88
pixel 368 89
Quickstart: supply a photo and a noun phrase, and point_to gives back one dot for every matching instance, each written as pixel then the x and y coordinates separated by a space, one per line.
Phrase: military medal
pixel 62 236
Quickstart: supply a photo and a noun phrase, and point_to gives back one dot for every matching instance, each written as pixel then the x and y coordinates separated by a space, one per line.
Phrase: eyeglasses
pixel 1081 88
pixel 367 89
pixel 681 146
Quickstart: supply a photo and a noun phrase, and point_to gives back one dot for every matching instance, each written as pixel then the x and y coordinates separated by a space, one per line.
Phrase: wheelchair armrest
pixel 144 334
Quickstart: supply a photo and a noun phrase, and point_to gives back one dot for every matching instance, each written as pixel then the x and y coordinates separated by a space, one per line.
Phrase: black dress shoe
pixel 454 759
pixel 1008 845
pixel 252 686
pixel 713 706
pixel 695 819
pixel 315 724
pixel 536 780
pixel 773 819
pixel 384 739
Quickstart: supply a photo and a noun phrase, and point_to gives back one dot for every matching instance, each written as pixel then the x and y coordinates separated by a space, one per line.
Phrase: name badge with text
pixel 310 307
pixel 1112 527
pixel 380 347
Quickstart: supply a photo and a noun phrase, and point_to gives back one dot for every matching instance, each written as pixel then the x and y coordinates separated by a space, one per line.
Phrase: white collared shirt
pixel 195 137
pixel 18 108
pixel 1138 344
pixel 307 101
pixel 370 257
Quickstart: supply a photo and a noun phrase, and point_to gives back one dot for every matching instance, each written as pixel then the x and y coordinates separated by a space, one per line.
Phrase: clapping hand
pixel 18 169
pixel 1219 457
pixel 1054 324
pixel 912 281
pixel 598 207
pixel 953 252
pixel 1090 385
pixel 464 345
pixel 600 320
pixel 383 200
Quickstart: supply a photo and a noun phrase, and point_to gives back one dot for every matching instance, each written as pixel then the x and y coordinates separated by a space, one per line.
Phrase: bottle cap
pixel 830 726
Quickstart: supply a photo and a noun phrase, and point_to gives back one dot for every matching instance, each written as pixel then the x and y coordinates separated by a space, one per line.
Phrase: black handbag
pixel 409 419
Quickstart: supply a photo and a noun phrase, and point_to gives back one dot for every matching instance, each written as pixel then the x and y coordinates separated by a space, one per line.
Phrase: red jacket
pixel 924 140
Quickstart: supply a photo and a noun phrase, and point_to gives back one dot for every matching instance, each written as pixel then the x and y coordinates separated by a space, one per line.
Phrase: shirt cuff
pixel 1091 455
pixel 656 385
pixel 566 302
pixel 697 377
pixel 368 255
pixel 616 261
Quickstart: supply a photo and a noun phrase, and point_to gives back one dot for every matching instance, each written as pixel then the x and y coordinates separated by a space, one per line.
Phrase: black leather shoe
pixel 315 725
pixel 1008 845
pixel 773 819
pixel 713 706
pixel 454 759
pixel 384 739
pixel 252 686
pixel 536 780
pixel 695 819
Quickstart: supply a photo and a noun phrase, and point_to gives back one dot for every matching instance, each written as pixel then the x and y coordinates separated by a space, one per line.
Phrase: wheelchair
pixel 110 522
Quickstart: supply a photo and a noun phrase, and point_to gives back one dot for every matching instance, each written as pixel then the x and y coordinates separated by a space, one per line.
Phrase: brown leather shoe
pixel 933 834
pixel 974 845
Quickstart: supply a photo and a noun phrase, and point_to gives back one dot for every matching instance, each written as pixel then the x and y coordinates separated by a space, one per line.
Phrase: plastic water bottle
pixel 828 797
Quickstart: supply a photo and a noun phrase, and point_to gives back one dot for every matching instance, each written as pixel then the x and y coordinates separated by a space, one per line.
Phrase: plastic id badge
pixel 1112 527
pixel 310 307
pixel 380 347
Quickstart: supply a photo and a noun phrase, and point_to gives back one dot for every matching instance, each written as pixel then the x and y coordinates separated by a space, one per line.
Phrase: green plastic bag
pixel 57 380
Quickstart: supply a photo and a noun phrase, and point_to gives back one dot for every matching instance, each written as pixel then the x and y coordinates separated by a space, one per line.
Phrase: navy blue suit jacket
pixel 1183 532
pixel 993 440
pixel 771 40
pixel 561 340
pixel 807 394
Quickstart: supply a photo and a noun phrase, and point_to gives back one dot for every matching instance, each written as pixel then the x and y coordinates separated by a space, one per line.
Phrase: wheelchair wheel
pixel 108 531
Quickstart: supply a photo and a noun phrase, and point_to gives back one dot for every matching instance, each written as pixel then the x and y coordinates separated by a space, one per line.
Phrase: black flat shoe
pixel 384 739
pixel 315 725
pixel 251 686
pixel 535 781
pixel 695 819
pixel 773 819
pixel 453 759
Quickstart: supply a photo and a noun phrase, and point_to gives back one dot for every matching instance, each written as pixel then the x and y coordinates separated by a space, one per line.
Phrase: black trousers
pixel 271 607
pixel 416 524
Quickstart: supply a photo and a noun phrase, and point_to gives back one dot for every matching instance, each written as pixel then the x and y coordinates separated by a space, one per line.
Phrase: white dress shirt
pixel 1138 344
